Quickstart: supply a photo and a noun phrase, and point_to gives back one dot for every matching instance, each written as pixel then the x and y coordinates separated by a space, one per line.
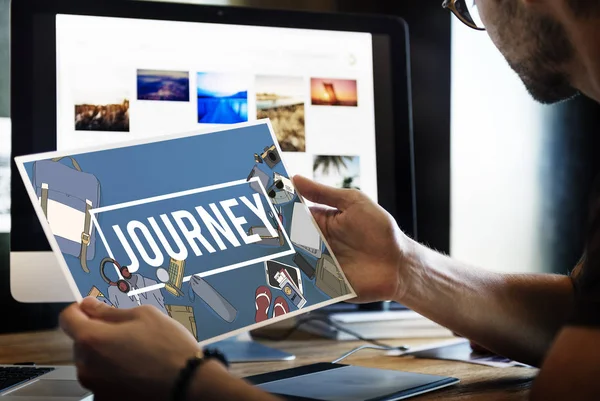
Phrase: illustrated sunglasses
pixel 466 11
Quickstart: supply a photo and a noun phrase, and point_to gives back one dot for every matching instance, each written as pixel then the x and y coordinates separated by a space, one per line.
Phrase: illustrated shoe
pixel 280 307
pixel 262 301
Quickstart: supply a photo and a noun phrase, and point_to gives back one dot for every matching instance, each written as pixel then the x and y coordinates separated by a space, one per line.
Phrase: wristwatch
pixel 183 380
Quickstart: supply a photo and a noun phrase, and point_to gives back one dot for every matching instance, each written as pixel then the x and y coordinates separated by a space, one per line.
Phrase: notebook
pixel 352 383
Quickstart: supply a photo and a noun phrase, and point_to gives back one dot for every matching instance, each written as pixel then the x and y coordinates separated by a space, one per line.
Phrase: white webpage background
pixel 100 53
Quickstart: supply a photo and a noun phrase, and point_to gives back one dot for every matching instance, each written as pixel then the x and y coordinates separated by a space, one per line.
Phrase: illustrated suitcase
pixel 66 195
pixel 265 236
pixel 329 279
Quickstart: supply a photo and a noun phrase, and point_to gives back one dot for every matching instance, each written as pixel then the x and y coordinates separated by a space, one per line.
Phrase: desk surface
pixel 477 382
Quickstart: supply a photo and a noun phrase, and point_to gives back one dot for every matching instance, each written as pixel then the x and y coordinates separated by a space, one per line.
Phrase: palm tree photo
pixel 337 171
pixel 327 162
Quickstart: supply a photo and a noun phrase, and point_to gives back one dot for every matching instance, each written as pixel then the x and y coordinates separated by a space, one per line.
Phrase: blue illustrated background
pixel 143 171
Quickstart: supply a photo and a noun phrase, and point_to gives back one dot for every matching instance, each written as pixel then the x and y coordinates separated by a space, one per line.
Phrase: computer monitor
pixel 336 88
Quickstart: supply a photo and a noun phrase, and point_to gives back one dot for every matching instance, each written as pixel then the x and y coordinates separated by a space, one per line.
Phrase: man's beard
pixel 543 85
pixel 542 70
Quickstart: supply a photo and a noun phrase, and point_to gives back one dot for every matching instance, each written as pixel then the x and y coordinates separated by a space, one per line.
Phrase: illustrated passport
pixel 206 227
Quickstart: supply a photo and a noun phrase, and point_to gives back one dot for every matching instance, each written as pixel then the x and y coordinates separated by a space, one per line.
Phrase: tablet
pixel 337 382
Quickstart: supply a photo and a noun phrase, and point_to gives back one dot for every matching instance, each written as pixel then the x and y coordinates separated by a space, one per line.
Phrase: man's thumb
pixel 101 311
pixel 322 194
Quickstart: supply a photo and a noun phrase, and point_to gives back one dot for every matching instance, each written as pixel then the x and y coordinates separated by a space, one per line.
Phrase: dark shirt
pixel 586 275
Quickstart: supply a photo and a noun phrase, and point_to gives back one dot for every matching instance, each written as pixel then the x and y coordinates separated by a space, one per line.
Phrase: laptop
pixel 36 383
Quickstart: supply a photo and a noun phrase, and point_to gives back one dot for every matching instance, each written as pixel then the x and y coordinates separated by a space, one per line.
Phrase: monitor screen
pixel 335 87
pixel 120 79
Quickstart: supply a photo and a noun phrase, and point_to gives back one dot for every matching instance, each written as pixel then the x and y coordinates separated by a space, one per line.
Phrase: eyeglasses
pixel 466 11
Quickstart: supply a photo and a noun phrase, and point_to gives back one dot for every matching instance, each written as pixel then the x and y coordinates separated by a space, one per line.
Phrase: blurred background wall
pixel 520 172
pixel 496 151
pixel 502 182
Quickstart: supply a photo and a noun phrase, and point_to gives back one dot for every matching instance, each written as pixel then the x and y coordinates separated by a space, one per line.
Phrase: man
pixel 551 321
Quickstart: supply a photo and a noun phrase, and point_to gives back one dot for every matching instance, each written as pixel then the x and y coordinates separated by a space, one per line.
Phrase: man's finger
pixel 324 195
pixel 73 321
pixel 322 214
pixel 100 311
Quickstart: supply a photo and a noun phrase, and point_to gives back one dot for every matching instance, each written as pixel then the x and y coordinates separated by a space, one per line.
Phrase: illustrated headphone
pixel 122 285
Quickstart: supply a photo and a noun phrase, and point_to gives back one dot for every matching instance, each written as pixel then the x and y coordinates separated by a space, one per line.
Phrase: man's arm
pixel 571 369
pixel 514 315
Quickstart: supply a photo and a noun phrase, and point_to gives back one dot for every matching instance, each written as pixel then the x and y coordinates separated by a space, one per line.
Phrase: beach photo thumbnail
pixel 163 85
pixel 337 171
pixel 333 92
pixel 222 98
pixel 281 99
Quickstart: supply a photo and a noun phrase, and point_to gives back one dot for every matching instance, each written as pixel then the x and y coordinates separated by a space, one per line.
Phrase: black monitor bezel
pixel 23 63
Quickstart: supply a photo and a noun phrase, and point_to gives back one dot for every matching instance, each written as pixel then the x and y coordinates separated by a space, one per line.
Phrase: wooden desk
pixel 477 382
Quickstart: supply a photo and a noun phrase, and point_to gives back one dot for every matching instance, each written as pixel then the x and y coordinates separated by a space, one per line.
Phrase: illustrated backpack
pixel 66 195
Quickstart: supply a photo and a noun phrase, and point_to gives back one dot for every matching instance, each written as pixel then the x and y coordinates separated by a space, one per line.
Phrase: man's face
pixel 536 47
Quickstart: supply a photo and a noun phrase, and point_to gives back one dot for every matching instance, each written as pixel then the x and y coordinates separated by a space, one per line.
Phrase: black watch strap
pixel 182 383
pixel 213 353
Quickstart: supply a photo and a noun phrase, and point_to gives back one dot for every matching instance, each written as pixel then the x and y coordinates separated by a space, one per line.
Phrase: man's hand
pixel 125 354
pixel 137 354
pixel 365 239
pixel 382 263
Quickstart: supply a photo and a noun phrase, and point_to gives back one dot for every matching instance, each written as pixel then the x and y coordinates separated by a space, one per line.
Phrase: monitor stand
pixel 346 321
pixel 25 307
pixel 242 349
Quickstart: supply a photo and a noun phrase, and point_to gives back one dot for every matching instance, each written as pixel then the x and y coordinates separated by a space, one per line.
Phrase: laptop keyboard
pixel 13 375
